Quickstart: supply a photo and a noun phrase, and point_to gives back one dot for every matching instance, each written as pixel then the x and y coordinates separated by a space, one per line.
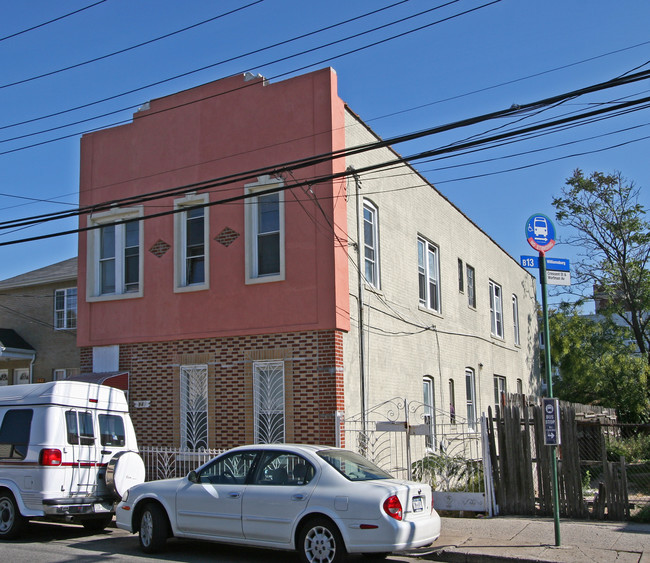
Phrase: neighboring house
pixel 239 322
pixel 38 322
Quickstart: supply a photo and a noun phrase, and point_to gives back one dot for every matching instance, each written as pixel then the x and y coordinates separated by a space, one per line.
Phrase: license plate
pixel 418 504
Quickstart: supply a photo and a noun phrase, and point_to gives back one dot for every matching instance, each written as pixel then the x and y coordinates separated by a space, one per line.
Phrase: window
pixel 4 377
pixel 461 276
pixel 470 394
pixel 281 468
pixel 515 318
pixel 194 406
pixel 191 234
pixel 429 412
pixel 471 287
pixel 499 391
pixel 58 374
pixel 268 402
pixel 14 433
pixel 371 244
pixel 65 308
pixel 452 402
pixel 114 250
pixel 264 232
pixel 520 387
pixel 496 310
pixel 228 469
pixel 79 426
pixel 111 430
pixel 428 275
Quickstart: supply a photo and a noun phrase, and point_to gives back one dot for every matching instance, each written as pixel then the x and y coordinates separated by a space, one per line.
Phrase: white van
pixel 67 452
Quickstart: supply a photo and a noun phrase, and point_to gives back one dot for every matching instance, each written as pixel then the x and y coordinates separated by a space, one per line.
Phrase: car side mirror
pixel 192 477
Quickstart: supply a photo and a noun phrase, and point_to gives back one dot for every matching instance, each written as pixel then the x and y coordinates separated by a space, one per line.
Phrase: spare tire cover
pixel 124 470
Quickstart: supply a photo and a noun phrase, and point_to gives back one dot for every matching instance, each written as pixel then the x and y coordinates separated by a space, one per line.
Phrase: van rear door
pixel 86 457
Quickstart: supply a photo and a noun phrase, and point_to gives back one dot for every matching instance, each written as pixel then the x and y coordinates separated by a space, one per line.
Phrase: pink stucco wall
pixel 221 128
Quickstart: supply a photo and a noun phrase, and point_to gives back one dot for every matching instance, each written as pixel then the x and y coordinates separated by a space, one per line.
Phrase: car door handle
pixel 234 495
pixel 298 497
pixel 106 452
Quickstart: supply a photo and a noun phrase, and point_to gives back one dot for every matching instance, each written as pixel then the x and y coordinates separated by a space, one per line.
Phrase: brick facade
pixel 313 376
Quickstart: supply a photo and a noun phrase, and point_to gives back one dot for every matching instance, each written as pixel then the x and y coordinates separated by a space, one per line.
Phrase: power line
pixel 126 49
pixel 17 33
pixel 293 71
pixel 349 151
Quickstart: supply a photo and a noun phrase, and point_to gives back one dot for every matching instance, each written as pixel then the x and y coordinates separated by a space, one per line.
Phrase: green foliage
pixel 643 515
pixel 598 364
pixel 635 448
pixel 449 473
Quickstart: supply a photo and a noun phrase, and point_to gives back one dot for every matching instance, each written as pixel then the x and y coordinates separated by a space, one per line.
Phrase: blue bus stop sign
pixel 540 233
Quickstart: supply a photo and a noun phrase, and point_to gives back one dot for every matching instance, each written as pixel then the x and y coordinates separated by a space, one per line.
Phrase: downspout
pixel 31 368
pixel 362 342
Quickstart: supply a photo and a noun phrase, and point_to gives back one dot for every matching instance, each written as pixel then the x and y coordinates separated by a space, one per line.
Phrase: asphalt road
pixel 58 543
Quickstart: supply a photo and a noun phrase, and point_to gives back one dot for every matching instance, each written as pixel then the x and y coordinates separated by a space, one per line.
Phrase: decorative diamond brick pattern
pixel 159 248
pixel 227 236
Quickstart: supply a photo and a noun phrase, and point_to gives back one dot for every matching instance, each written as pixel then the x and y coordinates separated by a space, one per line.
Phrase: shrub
pixel 634 448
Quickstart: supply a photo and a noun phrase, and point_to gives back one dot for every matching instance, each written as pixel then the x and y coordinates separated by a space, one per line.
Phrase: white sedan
pixel 323 502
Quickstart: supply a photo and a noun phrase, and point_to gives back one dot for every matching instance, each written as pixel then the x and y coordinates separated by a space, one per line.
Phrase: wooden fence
pixel 522 470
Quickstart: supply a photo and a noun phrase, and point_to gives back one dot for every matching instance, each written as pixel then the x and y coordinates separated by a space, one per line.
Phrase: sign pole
pixel 549 386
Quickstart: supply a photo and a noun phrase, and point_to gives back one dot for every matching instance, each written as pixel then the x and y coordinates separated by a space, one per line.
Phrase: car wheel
pixel 11 520
pixel 320 541
pixel 153 528
pixel 97 524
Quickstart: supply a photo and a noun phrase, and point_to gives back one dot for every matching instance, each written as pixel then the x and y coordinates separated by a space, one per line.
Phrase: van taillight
pixel 393 507
pixel 49 457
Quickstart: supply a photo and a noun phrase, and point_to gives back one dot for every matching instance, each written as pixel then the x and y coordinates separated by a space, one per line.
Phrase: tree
pixel 608 223
pixel 598 364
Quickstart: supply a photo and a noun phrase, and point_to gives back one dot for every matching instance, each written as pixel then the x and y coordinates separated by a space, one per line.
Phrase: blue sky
pixel 509 52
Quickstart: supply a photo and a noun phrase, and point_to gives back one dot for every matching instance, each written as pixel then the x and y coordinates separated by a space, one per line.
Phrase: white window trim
pixel 496 310
pixel 263 183
pixel 194 394
pixel 99 220
pixel 66 319
pixel 180 227
pixel 429 405
pixel 269 400
pixel 367 204
pixel 471 287
pixel 428 246
pixel 472 423
pixel 515 319
pixel 500 386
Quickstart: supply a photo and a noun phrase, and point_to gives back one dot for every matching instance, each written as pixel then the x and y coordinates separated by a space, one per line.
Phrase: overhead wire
pixel 301 163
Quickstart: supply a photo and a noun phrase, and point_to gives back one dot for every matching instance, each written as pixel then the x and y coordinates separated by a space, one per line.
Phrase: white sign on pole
pixel 554 277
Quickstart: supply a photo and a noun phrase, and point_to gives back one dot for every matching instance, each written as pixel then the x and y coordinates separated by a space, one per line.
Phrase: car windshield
pixel 353 466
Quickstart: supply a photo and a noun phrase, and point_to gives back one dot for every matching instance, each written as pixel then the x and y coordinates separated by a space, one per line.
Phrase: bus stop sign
pixel 540 233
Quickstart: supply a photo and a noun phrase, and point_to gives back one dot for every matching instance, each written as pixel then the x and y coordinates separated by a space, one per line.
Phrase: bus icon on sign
pixel 540 227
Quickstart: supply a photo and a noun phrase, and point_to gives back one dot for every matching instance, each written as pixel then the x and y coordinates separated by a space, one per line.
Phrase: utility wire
pixel 349 151
pixel 17 33
pixel 282 59
pixel 126 49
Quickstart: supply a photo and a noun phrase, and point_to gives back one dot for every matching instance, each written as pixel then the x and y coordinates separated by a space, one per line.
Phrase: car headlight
pixel 125 496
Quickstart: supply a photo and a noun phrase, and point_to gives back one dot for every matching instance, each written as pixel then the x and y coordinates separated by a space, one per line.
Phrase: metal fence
pixel 170 462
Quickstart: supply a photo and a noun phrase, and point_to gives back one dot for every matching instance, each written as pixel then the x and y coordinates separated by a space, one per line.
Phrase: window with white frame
pixel 4 377
pixel 115 254
pixel 58 374
pixel 65 308
pixel 496 310
pixel 452 402
pixel 470 394
pixel 194 406
pixel 428 274
pixel 471 286
pixel 268 402
pixel 461 276
pixel 515 318
pixel 191 236
pixel 371 244
pixel 499 391
pixel 429 412
pixel 265 237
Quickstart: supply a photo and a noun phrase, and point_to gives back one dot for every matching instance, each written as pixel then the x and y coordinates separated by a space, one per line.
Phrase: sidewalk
pixel 513 538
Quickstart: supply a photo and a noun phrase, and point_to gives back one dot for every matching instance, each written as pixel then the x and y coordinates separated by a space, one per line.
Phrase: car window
pixel 353 466
pixel 111 430
pixel 14 433
pixel 79 426
pixel 283 468
pixel 228 469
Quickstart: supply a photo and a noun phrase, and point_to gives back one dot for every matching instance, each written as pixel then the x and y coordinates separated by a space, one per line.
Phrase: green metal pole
pixel 549 385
